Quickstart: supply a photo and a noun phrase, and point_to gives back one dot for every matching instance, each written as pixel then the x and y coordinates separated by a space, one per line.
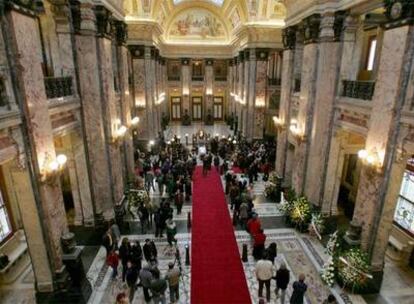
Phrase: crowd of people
pixel 170 166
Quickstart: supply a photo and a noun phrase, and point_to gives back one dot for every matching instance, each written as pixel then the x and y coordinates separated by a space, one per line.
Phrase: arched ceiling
pixel 204 21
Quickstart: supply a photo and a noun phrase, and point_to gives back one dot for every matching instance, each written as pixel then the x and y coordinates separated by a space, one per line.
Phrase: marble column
pixel 186 84
pixel 307 102
pixel 209 88
pixel 111 118
pixel 376 194
pixel 126 100
pixel 149 93
pixel 92 120
pixel 154 78
pixel 334 172
pixel 322 126
pixel 34 106
pixel 247 105
pixel 260 92
pixel 289 40
pixel 139 96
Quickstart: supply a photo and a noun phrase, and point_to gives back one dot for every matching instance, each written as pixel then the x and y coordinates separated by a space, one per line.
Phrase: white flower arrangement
pixel 328 272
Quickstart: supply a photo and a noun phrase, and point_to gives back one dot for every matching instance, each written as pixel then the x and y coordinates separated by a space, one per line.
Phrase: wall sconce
pixel 135 121
pixel 296 132
pixel 371 158
pixel 140 102
pixel 279 123
pixel 52 168
pixel 119 134
pixel 260 102
pixel 209 91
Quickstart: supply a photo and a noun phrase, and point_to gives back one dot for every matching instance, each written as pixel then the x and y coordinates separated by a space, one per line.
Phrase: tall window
pixel 372 50
pixel 5 227
pixel 404 213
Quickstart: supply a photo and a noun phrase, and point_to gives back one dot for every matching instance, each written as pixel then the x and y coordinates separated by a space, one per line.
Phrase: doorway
pixel 175 108
pixel 218 108
pixel 197 108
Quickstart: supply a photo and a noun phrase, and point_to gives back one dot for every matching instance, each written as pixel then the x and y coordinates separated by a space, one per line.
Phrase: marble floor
pixel 301 253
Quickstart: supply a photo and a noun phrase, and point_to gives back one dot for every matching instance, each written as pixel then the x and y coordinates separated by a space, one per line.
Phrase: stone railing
pixel 197 78
pixel 274 81
pixel 220 78
pixel 58 87
pixel 358 89
pixel 174 78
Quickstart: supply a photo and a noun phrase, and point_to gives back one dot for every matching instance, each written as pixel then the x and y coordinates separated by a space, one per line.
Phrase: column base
pixel 79 295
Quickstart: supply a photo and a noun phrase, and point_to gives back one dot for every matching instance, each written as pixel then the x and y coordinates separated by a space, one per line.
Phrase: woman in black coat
pixel 271 252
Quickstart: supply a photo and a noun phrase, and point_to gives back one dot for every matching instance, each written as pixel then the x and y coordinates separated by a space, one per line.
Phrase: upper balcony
pixel 358 89
pixel 57 87
pixel 274 81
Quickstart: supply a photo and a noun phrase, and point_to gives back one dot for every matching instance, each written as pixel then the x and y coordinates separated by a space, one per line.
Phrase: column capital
pixel 121 32
pixel 399 13
pixel 311 28
pixel 103 21
pixel 289 37
pixel 28 7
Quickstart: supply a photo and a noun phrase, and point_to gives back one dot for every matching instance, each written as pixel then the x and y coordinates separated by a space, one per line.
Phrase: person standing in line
pixel 299 289
pixel 173 278
pixel 124 254
pixel 171 231
pixel 244 214
pixel 145 277
pixel 259 244
pixel 282 280
pixel 131 276
pixel 271 252
pixel 330 300
pixel 113 262
pixel 150 251
pixel 158 288
pixel 107 242
pixel 264 273
pixel 179 201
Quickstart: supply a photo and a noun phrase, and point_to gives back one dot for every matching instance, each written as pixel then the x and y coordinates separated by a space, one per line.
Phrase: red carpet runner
pixel 217 274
